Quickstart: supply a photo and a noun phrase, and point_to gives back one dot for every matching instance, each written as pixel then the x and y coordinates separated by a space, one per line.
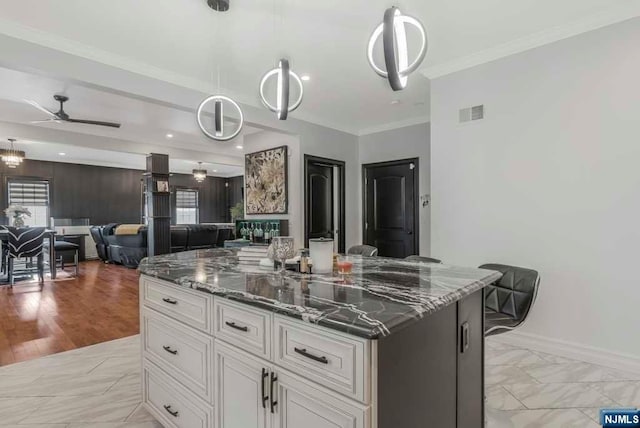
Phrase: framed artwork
pixel 266 175
pixel 163 186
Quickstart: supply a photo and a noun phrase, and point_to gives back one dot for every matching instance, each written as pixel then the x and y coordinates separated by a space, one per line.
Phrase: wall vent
pixel 471 113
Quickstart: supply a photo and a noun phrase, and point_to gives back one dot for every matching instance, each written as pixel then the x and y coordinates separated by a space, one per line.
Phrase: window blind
pixel 29 192
pixel 186 198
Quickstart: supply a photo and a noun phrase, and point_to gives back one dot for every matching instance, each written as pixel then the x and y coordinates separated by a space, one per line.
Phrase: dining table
pixel 50 234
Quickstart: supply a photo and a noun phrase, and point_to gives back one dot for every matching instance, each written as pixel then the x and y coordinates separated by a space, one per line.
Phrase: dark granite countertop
pixel 381 296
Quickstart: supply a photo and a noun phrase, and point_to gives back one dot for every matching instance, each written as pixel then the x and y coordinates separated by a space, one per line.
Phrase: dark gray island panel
pixel 433 370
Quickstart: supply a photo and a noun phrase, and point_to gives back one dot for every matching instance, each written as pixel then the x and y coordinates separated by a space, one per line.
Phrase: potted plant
pixel 17 212
pixel 237 212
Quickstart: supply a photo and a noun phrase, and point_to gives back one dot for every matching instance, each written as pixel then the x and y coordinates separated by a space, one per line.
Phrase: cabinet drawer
pixel 192 308
pixel 183 352
pixel 241 325
pixel 172 404
pixel 336 361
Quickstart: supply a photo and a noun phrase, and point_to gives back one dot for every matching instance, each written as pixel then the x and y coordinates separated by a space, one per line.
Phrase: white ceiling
pixel 184 42
pixel 142 122
pixel 46 151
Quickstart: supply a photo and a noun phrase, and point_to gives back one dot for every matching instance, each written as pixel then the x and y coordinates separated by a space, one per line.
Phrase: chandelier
pixel 200 174
pixel 12 157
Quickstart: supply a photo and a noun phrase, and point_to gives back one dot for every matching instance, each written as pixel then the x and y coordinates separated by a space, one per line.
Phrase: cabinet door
pixel 239 389
pixel 471 361
pixel 303 404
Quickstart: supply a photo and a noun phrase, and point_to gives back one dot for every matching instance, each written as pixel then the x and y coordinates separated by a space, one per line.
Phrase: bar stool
pixel 62 248
pixel 363 250
pixel 508 301
pixel 422 259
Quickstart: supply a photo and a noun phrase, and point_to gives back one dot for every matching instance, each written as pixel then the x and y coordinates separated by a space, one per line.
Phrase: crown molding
pixel 628 10
pixel 393 125
pixel 72 47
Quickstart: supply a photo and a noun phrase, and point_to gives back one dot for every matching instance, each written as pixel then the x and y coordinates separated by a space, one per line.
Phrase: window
pixel 34 195
pixel 186 206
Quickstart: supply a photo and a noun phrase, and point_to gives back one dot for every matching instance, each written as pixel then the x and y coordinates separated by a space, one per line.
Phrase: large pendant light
pixel 219 132
pixel 283 75
pixel 200 174
pixel 283 105
pixel 394 44
pixel 11 157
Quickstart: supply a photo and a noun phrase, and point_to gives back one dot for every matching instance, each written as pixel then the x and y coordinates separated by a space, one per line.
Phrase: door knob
pixel 410 232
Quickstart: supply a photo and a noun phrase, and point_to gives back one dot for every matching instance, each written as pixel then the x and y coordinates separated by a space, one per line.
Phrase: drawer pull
pixel 170 301
pixel 236 326
pixel 169 350
pixel 173 413
pixel 304 353
pixel 274 403
pixel 265 398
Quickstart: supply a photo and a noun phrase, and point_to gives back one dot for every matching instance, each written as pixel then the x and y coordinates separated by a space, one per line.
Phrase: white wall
pixel 549 180
pixel 402 143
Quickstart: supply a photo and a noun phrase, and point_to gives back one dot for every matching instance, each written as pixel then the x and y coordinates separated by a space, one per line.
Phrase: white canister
pixel 321 252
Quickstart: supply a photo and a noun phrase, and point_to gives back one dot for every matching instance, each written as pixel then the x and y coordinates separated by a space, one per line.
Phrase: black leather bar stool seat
pixel 508 301
pixel 422 259
pixel 363 250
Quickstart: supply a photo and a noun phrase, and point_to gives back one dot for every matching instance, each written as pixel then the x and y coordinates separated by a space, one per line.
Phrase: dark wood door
pixel 320 201
pixel 390 207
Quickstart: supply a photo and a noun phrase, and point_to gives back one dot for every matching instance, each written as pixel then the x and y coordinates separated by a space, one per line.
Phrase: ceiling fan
pixel 60 116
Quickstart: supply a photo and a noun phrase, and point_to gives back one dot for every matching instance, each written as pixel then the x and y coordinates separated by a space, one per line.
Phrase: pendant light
pixel 394 44
pixel 199 174
pixel 283 105
pixel 283 75
pixel 11 157
pixel 219 133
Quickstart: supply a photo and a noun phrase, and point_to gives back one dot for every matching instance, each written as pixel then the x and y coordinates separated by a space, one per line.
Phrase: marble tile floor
pixel 99 387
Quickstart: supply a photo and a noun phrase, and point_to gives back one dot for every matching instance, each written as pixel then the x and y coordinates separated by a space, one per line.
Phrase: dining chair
pixel 422 259
pixel 63 248
pixel 25 244
pixel 363 250
pixel 508 301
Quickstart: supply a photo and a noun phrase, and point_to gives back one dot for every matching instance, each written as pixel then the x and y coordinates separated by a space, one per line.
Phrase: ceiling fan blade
pixel 94 122
pixel 39 107
pixel 46 121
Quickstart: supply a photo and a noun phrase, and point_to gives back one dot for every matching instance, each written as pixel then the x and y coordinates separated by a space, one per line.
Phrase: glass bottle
pixel 267 232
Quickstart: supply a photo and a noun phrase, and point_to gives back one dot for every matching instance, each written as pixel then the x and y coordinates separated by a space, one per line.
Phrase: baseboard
pixel 576 351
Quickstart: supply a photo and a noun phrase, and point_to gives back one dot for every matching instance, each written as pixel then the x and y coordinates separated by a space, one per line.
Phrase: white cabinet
pixel 172 404
pixel 251 393
pixel 301 404
pixel 213 363
pixel 242 399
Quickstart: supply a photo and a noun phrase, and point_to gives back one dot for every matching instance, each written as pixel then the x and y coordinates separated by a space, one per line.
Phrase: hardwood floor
pixel 100 305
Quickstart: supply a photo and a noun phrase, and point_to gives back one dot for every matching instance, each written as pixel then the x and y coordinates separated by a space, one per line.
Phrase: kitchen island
pixel 395 344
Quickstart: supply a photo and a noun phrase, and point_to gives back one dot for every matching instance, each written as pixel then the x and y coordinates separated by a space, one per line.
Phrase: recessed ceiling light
pixel 239 147
pixel 305 77
pixel 215 170
pixel 169 135
pixel 62 154
pixel 395 102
